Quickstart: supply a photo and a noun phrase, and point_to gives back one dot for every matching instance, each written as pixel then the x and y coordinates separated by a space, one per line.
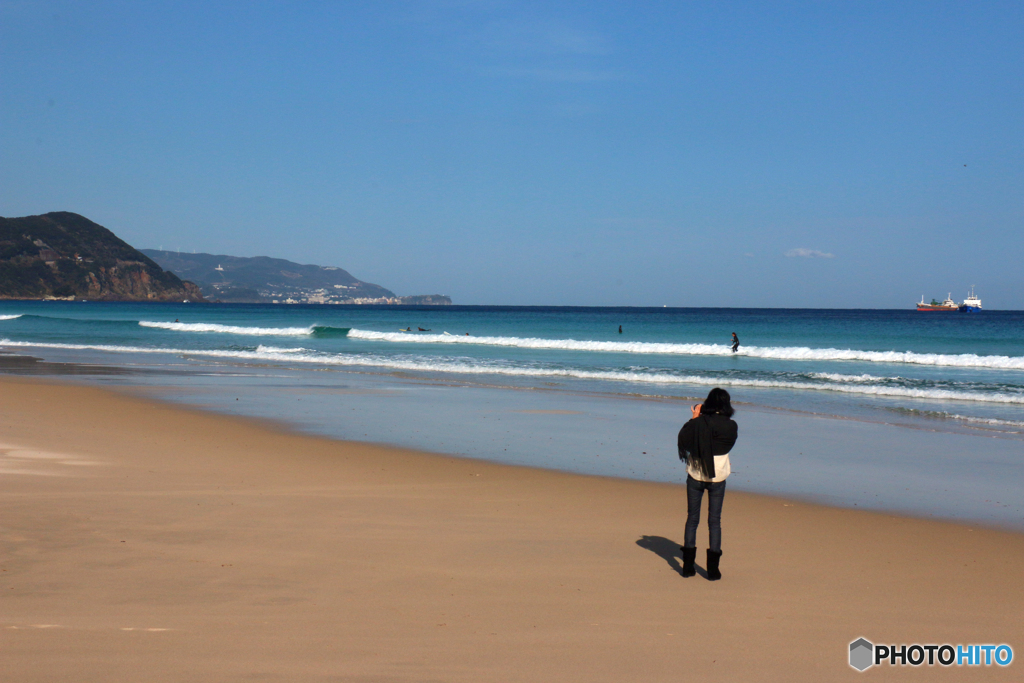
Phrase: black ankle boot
pixel 713 559
pixel 689 555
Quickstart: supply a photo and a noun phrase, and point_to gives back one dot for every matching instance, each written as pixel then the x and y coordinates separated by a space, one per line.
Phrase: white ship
pixel 971 303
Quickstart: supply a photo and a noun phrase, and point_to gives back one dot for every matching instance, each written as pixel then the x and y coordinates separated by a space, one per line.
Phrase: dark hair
pixel 718 401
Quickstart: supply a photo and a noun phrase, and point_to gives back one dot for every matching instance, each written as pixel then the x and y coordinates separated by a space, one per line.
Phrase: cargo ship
pixel 948 305
pixel 970 304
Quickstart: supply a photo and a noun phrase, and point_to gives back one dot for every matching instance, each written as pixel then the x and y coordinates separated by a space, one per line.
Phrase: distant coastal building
pixel 263 279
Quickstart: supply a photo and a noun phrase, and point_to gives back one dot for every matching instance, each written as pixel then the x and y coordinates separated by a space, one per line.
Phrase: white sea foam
pixel 942 415
pixel 277 349
pixel 964 360
pixel 859 379
pixel 996 422
pixel 231 329
pixel 10 317
pixel 988 421
pixel 632 375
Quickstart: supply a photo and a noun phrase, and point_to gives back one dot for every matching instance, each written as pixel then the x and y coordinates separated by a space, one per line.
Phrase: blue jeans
pixel 716 496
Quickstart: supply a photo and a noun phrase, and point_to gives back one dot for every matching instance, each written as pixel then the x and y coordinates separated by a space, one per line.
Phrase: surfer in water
pixel 620 329
pixel 735 343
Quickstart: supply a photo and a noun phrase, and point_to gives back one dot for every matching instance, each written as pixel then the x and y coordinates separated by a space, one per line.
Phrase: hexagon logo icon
pixel 861 654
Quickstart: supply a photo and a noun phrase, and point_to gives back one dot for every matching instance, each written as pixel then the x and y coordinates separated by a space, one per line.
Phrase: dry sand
pixel 142 542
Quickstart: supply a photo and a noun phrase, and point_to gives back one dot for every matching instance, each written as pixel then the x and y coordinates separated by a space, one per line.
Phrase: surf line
pixel 311 331
pixel 795 353
pixel 293 356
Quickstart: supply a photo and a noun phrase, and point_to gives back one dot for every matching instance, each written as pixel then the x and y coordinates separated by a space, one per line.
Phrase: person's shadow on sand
pixel 668 551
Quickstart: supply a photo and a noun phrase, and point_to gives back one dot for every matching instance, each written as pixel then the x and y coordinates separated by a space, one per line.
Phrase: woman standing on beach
pixel 704 443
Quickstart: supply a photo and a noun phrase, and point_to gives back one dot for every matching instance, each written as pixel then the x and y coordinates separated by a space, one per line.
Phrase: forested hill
pixel 63 254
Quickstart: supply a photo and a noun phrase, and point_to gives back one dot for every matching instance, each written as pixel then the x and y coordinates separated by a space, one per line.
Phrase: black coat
pixel 712 432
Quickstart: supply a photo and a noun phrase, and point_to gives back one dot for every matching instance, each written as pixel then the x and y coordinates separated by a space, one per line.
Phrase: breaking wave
pixel 942 415
pixel 277 349
pixel 231 329
pixel 10 317
pixel 861 384
pixel 311 331
pixel 964 360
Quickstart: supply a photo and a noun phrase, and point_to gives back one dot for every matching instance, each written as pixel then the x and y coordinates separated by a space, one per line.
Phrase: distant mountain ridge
pixel 262 279
pixel 65 255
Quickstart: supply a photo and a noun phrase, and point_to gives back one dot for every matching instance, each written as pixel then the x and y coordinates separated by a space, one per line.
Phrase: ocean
pixel 562 387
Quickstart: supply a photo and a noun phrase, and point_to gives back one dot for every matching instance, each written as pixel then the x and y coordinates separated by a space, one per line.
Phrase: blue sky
pixel 847 154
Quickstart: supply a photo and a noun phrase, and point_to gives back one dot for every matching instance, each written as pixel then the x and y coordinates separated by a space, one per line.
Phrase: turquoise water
pixel 963 370
pixel 895 410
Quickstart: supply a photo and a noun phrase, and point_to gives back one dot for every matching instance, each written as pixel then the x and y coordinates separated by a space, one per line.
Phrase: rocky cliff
pixel 65 255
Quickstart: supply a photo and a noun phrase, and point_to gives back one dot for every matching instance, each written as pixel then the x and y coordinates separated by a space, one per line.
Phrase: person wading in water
pixel 704 444
pixel 735 343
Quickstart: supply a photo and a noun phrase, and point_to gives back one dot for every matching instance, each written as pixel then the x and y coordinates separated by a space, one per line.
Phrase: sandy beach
pixel 145 542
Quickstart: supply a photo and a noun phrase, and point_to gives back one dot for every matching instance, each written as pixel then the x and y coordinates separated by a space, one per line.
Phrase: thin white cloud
pixel 561 75
pixel 571 110
pixel 541 37
pixel 804 252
